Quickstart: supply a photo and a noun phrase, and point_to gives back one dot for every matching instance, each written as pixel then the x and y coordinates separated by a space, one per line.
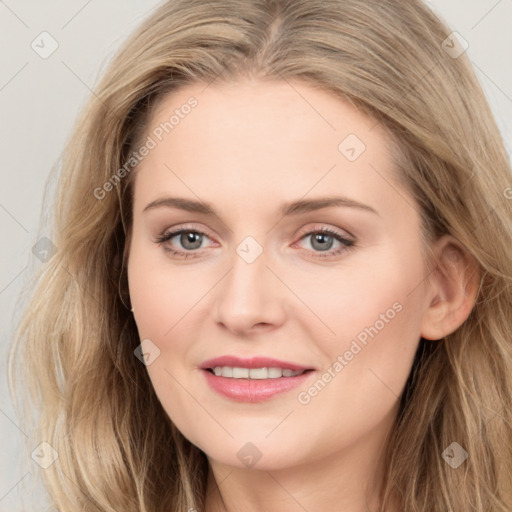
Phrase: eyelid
pixel 326 228
pixel 185 227
pixel 169 233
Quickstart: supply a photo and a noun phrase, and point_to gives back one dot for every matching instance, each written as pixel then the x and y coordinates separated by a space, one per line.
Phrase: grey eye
pixel 321 241
pixel 190 240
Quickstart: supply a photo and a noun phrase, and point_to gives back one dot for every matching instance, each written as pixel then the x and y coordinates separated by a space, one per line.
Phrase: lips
pixel 255 379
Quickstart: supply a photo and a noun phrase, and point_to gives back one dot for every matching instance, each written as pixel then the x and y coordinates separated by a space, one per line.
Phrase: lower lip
pixel 253 390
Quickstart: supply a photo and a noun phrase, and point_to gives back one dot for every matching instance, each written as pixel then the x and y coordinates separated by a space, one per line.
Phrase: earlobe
pixel 454 285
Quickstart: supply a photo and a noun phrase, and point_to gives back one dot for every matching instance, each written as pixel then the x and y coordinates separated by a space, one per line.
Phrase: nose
pixel 250 298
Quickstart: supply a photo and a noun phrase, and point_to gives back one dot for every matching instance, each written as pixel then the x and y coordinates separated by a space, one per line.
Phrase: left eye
pixel 323 240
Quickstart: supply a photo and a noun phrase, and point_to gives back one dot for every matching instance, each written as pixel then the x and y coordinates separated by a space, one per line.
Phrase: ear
pixel 453 287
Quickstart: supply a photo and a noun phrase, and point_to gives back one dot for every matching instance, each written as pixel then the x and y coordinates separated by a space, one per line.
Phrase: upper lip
pixel 253 362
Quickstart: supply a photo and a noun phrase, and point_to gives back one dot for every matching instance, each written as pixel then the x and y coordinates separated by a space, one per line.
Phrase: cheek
pixel 164 300
pixel 376 317
pixel 374 309
pixel 161 292
pixel 377 320
pixel 368 293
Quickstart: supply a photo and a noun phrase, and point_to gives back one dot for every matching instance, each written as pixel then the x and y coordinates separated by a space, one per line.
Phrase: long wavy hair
pixel 74 349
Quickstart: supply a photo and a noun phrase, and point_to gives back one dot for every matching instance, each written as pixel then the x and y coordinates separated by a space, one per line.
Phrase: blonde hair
pixel 117 448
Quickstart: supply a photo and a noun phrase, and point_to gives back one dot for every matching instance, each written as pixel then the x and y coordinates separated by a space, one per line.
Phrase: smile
pixel 234 372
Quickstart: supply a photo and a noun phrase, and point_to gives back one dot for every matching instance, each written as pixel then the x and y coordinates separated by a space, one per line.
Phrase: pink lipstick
pixel 255 379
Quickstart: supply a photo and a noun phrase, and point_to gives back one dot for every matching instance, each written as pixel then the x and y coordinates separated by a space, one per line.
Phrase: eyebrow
pixel 298 207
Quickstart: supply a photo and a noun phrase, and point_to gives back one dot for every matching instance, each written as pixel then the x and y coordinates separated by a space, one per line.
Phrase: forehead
pixel 263 139
pixel 250 111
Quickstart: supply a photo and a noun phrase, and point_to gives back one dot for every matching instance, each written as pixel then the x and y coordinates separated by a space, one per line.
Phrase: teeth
pixel 258 373
pixel 240 373
pixel 254 373
pixel 275 373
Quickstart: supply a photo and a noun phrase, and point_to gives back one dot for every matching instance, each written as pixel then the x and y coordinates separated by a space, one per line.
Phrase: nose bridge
pixel 247 283
pixel 248 297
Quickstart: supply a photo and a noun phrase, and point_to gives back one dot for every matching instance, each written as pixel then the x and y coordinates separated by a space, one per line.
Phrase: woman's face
pixel 298 250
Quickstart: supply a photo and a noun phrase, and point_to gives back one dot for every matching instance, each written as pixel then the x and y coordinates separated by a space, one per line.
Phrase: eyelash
pixel 346 243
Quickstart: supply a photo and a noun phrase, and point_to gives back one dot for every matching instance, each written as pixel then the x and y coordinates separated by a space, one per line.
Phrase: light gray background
pixel 39 100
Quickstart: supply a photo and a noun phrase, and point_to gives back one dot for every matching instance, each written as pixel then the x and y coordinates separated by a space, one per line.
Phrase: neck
pixel 351 481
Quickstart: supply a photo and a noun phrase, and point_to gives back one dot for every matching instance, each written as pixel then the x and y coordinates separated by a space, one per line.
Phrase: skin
pixel 248 147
